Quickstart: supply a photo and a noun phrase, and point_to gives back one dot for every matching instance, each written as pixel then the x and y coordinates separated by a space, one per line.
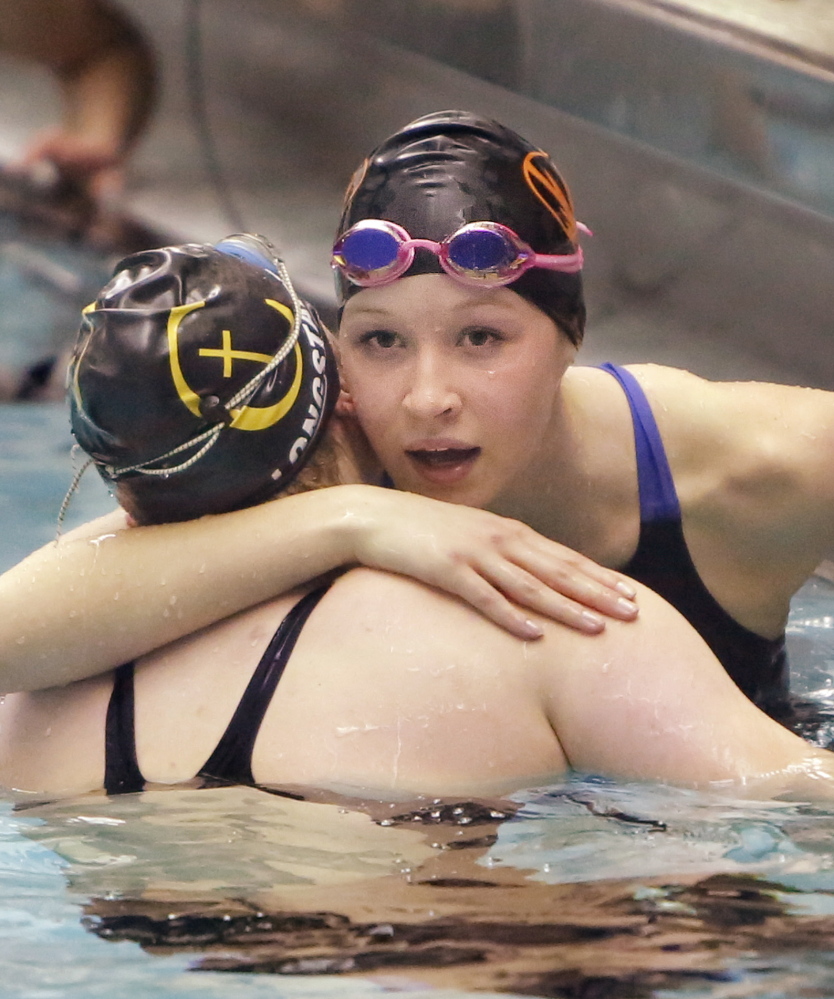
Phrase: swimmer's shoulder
pixel 372 599
pixel 678 388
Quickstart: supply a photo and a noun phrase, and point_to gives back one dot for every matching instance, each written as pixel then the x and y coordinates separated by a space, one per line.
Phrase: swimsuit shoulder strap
pixel 658 497
pixel 121 768
pixel 231 761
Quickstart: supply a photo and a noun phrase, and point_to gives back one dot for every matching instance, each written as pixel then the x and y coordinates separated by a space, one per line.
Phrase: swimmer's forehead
pixel 391 300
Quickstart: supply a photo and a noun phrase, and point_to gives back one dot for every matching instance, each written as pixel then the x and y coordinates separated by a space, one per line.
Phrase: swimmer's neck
pixel 572 491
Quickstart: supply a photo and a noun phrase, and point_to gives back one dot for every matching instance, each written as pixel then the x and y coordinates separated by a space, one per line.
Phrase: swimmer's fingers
pixel 539 576
pixel 566 596
pixel 498 598
pixel 482 595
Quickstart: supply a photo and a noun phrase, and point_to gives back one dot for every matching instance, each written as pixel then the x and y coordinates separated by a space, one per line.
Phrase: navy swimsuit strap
pixel 231 761
pixel 121 768
pixel 658 498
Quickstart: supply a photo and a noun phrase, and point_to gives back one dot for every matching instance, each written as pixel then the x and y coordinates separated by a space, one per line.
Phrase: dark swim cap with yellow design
pixel 451 168
pixel 199 381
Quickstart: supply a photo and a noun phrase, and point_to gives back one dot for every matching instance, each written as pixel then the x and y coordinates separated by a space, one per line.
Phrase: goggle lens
pixel 481 253
pixel 369 250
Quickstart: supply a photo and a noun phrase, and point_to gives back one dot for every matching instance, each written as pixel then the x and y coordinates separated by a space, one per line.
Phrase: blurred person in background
pixel 107 75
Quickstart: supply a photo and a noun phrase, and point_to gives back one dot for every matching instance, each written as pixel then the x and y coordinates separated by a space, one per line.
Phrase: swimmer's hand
pixel 89 166
pixel 501 567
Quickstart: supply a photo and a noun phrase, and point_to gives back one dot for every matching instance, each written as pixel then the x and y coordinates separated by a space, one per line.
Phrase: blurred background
pixel 697 136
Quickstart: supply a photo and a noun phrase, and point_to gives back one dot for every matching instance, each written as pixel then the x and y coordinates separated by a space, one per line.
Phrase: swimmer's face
pixel 454 387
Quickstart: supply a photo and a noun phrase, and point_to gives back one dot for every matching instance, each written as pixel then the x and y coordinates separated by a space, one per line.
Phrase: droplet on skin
pixel 97 541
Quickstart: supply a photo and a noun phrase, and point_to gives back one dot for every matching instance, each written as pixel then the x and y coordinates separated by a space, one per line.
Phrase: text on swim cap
pixel 318 358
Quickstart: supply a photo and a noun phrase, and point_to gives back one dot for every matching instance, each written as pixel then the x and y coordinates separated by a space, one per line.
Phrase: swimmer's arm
pixel 107 593
pixel 753 466
pixel 791 493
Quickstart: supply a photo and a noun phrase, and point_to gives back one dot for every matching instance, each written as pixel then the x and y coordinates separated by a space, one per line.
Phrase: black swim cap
pixel 449 168
pixel 174 387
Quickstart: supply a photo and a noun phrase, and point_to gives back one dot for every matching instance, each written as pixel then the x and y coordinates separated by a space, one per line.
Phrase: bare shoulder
pixel 678 389
pixel 374 595
pixel 375 610
pixel 649 700
pixel 791 424
pixel 752 466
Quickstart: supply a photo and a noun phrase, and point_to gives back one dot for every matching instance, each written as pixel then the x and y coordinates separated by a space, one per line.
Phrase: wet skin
pixel 456 388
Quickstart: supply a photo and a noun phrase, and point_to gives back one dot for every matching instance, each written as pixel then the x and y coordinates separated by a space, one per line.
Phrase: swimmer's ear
pixel 344 404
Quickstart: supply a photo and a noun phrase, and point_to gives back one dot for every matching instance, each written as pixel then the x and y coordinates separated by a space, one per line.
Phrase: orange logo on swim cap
pixel 550 190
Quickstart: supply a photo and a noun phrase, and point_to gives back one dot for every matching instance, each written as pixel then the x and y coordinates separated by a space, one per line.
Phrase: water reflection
pixel 469 897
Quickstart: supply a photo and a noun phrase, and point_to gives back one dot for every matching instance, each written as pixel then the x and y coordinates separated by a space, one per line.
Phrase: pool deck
pixel 805 27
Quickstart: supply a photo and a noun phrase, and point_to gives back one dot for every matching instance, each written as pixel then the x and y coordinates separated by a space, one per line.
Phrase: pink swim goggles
pixel 375 252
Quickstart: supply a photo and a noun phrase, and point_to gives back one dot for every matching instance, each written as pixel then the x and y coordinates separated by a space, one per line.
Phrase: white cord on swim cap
pixel 76 479
pixel 251 386
pixel 210 436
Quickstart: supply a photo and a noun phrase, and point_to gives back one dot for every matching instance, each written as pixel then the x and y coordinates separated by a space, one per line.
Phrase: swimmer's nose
pixel 430 393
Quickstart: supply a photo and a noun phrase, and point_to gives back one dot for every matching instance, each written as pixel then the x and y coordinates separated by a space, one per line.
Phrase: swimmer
pixel 460 370
pixel 200 383
pixel 107 75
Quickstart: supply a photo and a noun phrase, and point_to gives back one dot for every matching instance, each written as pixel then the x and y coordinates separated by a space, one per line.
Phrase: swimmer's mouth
pixel 444 457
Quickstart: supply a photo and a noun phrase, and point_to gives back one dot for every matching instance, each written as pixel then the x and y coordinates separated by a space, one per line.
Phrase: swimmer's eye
pixel 384 339
pixel 481 336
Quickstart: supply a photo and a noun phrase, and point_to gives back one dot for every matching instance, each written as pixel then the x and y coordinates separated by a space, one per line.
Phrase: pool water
pixel 589 889
pixel 36 469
